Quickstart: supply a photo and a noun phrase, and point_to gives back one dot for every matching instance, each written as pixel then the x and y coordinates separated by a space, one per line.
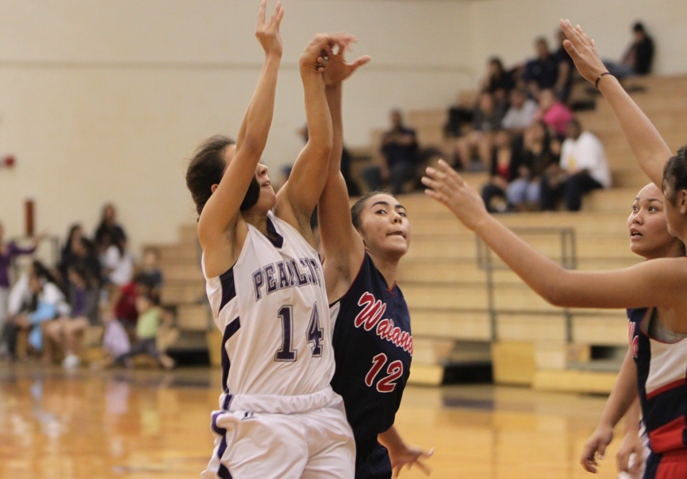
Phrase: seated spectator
pixel 46 303
pixel 119 262
pixel 107 229
pixel 150 268
pixel 533 154
pixel 150 318
pixel 459 117
pixel 67 331
pixel 498 82
pixel 79 252
pixel 122 303
pixel 494 191
pixel 8 251
pixel 398 160
pixel 553 113
pixel 521 112
pixel 583 168
pixel 486 120
pixel 541 73
pixel 638 57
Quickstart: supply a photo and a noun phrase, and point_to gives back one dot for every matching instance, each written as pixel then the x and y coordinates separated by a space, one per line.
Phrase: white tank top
pixel 271 307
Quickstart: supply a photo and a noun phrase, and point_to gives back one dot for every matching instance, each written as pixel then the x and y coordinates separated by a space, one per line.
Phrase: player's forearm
pixel 334 101
pixel 647 144
pixel 257 121
pixel 622 396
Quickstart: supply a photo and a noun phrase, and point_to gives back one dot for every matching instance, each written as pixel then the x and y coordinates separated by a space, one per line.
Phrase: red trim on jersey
pixel 668 437
pixel 666 387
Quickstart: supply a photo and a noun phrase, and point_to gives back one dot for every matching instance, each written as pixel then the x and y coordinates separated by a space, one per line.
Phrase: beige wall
pixel 104 101
pixel 508 28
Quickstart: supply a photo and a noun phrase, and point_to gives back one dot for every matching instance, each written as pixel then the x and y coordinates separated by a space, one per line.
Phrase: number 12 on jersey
pixel 393 371
pixel 313 334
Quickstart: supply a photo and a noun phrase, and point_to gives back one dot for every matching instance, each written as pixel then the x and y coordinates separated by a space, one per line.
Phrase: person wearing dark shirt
pixel 638 57
pixel 399 157
pixel 542 72
pixel 640 54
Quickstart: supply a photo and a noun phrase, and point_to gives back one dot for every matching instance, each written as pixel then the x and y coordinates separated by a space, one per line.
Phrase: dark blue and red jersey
pixel 373 348
pixel 661 374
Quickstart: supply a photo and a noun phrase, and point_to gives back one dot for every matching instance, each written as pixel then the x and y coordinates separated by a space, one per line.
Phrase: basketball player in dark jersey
pixel 373 345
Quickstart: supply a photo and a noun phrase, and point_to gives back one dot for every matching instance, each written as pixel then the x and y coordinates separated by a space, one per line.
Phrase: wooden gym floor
pixel 150 424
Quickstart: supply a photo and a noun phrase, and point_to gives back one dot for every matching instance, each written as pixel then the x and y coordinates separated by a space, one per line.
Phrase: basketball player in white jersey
pixel 278 416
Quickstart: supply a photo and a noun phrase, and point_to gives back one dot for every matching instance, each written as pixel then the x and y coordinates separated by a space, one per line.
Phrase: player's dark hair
pixel 358 206
pixel 207 168
pixel 675 173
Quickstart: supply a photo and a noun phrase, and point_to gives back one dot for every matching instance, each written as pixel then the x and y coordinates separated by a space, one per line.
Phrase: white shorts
pixel 312 440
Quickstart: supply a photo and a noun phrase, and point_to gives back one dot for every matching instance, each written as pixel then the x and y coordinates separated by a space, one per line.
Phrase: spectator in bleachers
pixel 566 69
pixel 583 168
pixel 8 251
pixel 107 229
pixel 399 157
pixel 638 57
pixel 535 152
pixel 500 173
pixel 80 252
pixel 521 112
pixel 498 82
pixel 459 116
pixel 486 120
pixel 67 330
pixel 150 268
pixel 119 262
pixel 46 302
pixel 540 73
pixel 553 113
pixel 150 319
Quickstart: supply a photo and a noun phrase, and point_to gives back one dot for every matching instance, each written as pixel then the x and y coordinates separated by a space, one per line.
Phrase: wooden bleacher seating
pixel 529 341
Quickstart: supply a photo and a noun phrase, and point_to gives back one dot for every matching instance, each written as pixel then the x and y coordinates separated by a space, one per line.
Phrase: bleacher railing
pixel 489 262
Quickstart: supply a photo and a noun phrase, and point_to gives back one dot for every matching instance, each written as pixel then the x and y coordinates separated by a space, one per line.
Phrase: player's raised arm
pixel 646 142
pixel 221 211
pixel 298 197
pixel 343 248
pixel 653 282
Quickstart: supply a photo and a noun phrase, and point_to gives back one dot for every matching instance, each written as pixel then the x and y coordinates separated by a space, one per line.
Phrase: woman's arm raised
pixel 221 211
pixel 646 142
pixel 298 197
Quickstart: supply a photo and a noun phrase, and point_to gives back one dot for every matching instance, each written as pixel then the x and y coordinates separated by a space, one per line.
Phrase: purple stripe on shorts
pixel 227 401
pixel 222 470
pixel 218 430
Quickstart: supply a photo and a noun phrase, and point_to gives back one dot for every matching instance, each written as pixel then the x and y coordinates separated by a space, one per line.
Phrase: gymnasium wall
pixel 105 101
pixel 508 27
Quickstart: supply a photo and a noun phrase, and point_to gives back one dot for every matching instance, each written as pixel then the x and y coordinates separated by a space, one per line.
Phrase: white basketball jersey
pixel 271 307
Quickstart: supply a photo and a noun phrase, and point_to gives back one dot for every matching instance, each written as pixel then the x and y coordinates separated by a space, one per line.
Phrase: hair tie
pixel 596 83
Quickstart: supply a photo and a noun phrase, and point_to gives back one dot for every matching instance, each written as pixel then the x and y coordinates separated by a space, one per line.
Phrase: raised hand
pixel 336 69
pixel 448 187
pixel 267 32
pixel 595 448
pixel 312 59
pixel 583 51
